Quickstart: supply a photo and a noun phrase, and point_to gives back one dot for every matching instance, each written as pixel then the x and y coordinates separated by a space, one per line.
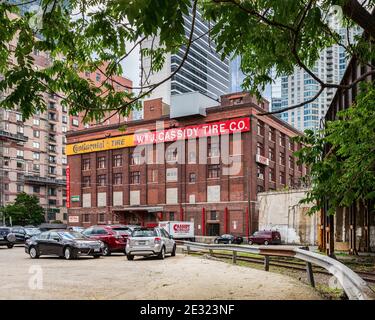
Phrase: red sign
pixel 193 132
pixel 184 228
pixel 67 187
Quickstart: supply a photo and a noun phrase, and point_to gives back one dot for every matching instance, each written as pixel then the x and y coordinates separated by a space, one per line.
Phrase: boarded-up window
pixel 102 199
pixel 171 195
pixel 213 194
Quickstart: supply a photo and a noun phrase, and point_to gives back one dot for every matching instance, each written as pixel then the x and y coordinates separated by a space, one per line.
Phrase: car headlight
pixel 80 245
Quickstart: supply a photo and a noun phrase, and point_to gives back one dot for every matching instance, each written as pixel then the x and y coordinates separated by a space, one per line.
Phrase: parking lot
pixel 180 277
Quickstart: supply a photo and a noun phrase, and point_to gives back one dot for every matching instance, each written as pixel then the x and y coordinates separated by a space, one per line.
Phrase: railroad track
pixel 286 263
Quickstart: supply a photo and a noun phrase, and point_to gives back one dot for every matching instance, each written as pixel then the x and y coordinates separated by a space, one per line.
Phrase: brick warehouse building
pixel 108 184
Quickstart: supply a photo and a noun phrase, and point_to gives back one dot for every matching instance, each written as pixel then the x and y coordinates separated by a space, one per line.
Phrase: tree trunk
pixel 353 10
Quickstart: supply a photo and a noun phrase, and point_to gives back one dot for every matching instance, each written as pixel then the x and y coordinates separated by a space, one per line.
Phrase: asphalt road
pixel 180 277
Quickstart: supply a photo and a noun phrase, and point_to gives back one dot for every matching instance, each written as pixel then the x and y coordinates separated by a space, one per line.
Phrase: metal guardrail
pixel 354 286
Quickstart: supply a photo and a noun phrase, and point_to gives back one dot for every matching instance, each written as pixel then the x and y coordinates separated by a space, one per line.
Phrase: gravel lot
pixel 180 277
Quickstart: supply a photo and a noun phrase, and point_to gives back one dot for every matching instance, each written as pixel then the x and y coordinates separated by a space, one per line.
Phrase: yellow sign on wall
pixel 100 145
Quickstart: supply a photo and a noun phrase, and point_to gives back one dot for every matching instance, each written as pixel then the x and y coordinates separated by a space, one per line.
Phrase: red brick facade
pixel 235 212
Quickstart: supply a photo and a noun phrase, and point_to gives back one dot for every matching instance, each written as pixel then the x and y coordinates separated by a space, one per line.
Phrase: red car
pixel 265 237
pixel 113 236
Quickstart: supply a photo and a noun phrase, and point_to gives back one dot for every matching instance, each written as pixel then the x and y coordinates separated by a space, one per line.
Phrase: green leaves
pixel 346 172
pixel 25 210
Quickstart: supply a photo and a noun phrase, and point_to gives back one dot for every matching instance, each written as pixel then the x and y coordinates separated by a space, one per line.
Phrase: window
pixel 271 134
pixel 19 176
pixel 291 180
pixel 6 150
pixel 213 149
pixel 19 129
pixel 291 162
pixel 260 149
pixel 282 159
pixel 282 140
pixel 52 192
pixel 135 158
pixel 97 77
pixel 19 153
pixel 271 154
pixel 63 129
pixel 36 145
pixel 85 164
pixel 101 162
pixel 101 180
pixel 135 177
pixel 18 117
pixel 117 178
pixel 36 156
pixel 52 116
pixel 260 128
pixel 36 167
pixel 282 178
pixel 214 171
pixel 101 217
pixel 64 119
pixel 260 172
pixel 36 189
pixel 291 144
pixel 64 160
pixel 171 216
pixel 117 160
pixel 20 188
pixel 153 175
pixel 86 217
pixel 51 170
pixel 192 177
pixel 272 174
pixel 52 159
pixel 19 165
pixel 36 133
pixel 171 154
pixel 213 215
pixel 75 122
pixel 86 181
pixel 6 186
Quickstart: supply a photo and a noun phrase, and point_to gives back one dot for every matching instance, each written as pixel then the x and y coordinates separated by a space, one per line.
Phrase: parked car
pixel 150 241
pixel 7 237
pixel 228 239
pixel 24 233
pixel 63 243
pixel 113 236
pixel 77 229
pixel 265 237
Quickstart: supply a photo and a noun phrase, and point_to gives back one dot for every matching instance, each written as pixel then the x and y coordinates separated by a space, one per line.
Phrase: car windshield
pixel 32 231
pixel 121 230
pixel 144 233
pixel 71 235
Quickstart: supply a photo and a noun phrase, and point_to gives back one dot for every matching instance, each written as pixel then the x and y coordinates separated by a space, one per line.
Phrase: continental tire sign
pixel 100 145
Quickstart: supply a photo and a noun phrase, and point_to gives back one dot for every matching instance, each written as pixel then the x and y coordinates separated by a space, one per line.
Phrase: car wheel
pixel 251 242
pixel 161 255
pixel 173 253
pixel 10 245
pixel 130 257
pixel 266 243
pixel 106 251
pixel 97 256
pixel 230 242
pixel 68 254
pixel 216 241
pixel 33 253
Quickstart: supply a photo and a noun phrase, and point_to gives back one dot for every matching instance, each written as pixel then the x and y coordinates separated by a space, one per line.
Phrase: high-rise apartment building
pixel 203 71
pixel 300 86
pixel 32 153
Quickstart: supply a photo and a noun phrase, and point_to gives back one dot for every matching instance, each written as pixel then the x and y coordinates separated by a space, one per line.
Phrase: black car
pixel 63 243
pixel 7 238
pixel 228 239
pixel 24 233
